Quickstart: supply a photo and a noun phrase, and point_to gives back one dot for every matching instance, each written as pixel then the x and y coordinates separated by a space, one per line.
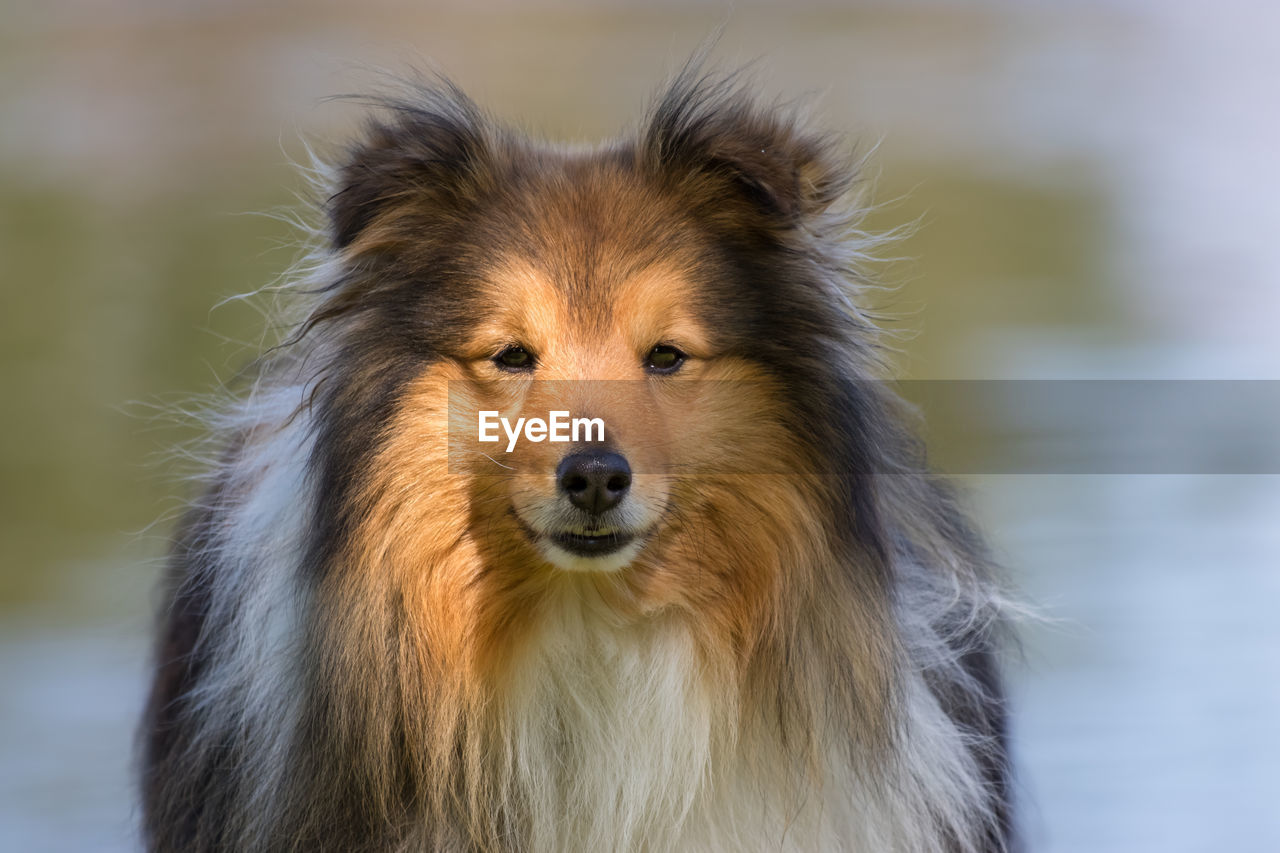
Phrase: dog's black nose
pixel 596 480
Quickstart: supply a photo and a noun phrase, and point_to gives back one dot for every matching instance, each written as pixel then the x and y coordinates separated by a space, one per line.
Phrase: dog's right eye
pixel 514 358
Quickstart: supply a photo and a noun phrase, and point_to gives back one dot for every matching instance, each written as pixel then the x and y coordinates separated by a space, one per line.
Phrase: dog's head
pixel 619 360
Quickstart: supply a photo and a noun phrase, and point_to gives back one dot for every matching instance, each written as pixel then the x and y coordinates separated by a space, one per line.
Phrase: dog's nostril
pixel 595 481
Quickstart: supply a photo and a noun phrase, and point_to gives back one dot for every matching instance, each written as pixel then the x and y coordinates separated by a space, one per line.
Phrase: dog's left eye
pixel 664 358
pixel 514 357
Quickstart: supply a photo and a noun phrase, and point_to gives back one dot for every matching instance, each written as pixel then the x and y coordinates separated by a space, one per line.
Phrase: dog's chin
pixel 574 553
pixel 575 543
pixel 586 551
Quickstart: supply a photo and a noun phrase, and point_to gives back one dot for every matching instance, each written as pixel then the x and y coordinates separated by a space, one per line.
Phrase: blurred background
pixel 1094 189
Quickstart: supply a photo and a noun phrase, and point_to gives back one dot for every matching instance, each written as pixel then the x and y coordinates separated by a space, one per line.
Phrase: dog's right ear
pixel 426 154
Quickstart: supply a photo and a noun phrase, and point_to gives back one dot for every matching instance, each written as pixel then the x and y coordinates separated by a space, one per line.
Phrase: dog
pixel 734 612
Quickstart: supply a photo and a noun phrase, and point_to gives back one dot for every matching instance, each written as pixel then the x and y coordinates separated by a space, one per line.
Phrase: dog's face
pixel 669 290
pixel 601 311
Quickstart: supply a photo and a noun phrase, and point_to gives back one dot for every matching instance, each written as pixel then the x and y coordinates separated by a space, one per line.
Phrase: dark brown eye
pixel 664 358
pixel 514 357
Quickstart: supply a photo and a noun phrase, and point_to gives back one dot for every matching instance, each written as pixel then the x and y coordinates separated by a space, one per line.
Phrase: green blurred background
pixel 1094 189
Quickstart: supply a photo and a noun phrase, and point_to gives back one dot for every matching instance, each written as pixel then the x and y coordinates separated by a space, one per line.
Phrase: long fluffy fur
pixel 356 655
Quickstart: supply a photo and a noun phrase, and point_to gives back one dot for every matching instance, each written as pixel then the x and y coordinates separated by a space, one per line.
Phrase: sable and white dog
pixel 746 620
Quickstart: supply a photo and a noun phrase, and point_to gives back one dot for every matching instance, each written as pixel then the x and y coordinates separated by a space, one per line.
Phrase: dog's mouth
pixel 584 547
pixel 592 544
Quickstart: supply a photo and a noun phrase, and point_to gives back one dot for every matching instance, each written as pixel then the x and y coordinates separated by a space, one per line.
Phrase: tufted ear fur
pixel 710 130
pixel 432 144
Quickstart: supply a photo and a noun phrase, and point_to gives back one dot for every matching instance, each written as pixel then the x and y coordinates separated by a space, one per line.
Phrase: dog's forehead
pixel 599 302
pixel 583 241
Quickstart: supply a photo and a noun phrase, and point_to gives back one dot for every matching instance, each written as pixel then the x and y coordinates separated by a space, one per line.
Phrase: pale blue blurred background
pixel 1096 189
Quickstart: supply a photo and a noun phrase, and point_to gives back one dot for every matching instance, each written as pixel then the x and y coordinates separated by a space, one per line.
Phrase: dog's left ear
pixel 710 133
